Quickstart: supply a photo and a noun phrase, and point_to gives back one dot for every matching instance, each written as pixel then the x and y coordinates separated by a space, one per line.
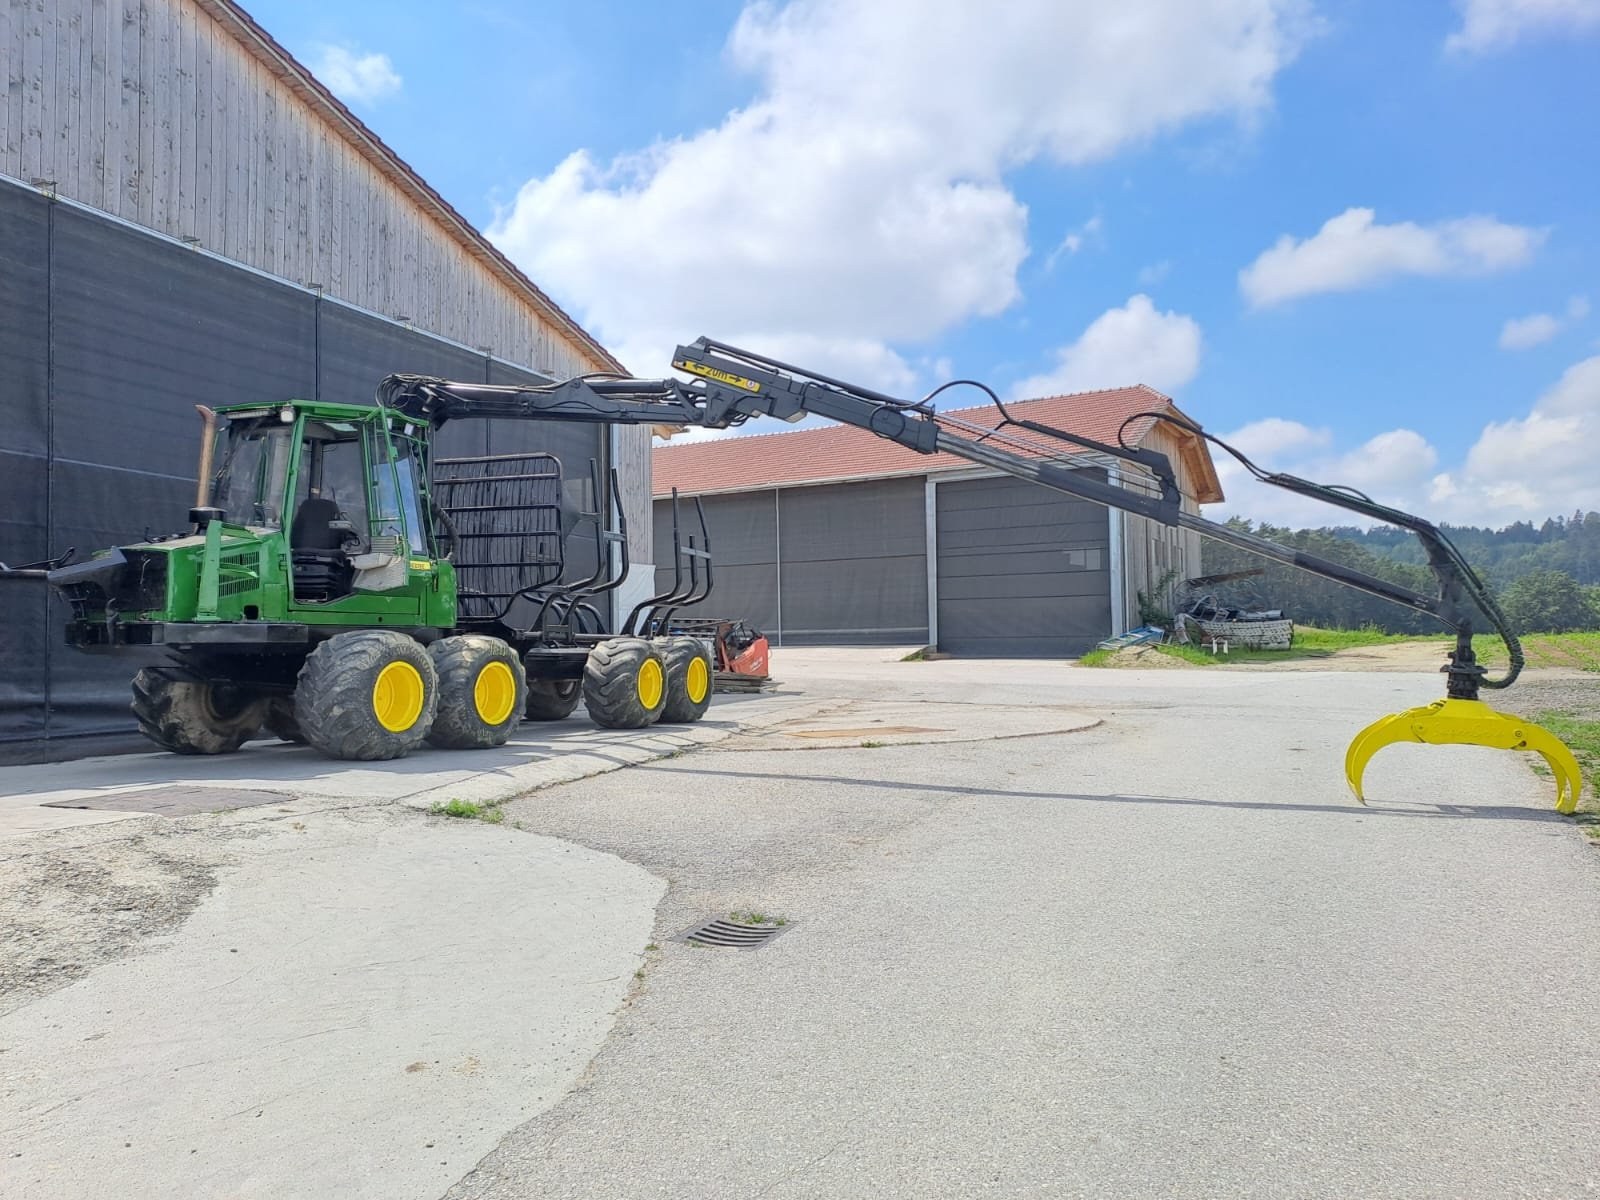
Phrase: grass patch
pixel 1580 651
pixel 1309 642
pixel 757 918
pixel 466 810
pixel 1575 651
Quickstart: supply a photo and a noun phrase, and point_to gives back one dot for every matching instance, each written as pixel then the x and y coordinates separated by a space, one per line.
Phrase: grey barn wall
pixel 109 336
pixel 853 569
pixel 1020 570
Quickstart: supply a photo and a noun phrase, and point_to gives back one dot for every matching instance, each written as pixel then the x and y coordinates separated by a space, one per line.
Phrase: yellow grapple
pixel 1461 719
pixel 1465 723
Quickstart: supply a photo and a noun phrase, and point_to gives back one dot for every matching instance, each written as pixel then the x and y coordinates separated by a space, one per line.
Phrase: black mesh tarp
pixel 109 337
pixel 574 444
pixel 24 443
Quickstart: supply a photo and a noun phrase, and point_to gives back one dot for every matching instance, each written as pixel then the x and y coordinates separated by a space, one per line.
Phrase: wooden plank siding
pixel 184 117
pixel 160 113
pixel 1151 549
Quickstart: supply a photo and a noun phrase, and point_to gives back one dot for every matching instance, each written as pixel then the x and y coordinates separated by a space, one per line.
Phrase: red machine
pixel 740 651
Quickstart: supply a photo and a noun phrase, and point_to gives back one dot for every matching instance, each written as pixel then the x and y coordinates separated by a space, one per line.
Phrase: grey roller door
pixel 853 570
pixel 743 531
pixel 1023 571
pixel 855 566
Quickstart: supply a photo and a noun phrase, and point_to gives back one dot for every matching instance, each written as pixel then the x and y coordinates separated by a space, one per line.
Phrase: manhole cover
pixel 719 931
pixel 173 802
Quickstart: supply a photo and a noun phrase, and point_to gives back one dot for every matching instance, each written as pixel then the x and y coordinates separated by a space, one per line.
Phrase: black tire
pixel 552 699
pixel 690 679
pixel 280 720
pixel 624 683
pixel 340 707
pixel 190 717
pixel 482 688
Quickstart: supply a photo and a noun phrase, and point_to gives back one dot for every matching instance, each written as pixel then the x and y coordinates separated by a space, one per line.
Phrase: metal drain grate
pixel 719 931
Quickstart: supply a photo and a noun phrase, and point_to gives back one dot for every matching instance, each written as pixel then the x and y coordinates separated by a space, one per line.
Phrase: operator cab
pixel 349 490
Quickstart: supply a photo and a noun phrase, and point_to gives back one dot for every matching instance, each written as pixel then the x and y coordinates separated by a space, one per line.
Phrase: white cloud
pixel 356 78
pixel 1127 345
pixel 1490 25
pixel 1274 437
pixel 1073 242
pixel 1523 333
pixel 861 193
pixel 1352 251
pixel 1155 273
pixel 1524 468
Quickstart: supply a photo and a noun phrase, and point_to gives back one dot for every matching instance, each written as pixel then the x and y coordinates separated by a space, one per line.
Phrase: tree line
pixel 1546 577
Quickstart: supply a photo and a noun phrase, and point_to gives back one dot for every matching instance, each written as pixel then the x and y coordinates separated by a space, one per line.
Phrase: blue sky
pixel 1068 197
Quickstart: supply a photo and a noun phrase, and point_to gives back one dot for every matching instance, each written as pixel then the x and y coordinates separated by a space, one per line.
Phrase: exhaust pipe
pixel 208 448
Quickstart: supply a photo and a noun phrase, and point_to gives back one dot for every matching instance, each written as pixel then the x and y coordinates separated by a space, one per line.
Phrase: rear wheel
pixel 367 695
pixel 552 699
pixel 688 665
pixel 624 683
pixel 191 717
pixel 482 689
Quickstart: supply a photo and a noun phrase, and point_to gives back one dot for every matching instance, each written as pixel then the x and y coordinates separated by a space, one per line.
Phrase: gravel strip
pixel 1547 691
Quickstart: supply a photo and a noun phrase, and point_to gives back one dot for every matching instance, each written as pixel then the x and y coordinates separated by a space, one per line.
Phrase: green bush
pixel 1549 602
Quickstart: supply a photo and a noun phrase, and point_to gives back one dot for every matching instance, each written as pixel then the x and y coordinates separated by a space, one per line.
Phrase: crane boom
pixel 731 385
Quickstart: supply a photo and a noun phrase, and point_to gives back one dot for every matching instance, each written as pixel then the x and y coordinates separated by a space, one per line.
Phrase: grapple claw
pixel 1385 731
pixel 1468 723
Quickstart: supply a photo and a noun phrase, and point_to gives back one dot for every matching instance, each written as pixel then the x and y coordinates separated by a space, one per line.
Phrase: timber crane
pixel 343 586
pixel 732 385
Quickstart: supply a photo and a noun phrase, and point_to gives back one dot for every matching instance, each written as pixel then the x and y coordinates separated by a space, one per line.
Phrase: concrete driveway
pixel 1053 932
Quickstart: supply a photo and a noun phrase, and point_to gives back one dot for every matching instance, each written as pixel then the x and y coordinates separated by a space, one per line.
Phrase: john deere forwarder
pixel 342 587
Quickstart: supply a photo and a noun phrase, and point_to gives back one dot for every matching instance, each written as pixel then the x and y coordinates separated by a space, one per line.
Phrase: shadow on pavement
pixel 1492 812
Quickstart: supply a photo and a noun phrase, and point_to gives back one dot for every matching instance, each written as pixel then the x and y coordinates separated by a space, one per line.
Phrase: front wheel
pixel 624 683
pixel 188 716
pixel 482 688
pixel 367 695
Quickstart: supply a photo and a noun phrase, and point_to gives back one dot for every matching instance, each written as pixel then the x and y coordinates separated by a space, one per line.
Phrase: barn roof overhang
pixel 298 79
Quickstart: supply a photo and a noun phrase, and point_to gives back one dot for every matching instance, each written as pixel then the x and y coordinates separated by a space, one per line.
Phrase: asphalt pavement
pixel 1049 932
pixel 1166 956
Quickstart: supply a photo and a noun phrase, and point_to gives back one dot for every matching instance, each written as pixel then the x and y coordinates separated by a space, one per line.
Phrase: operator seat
pixel 321 568
pixel 311 529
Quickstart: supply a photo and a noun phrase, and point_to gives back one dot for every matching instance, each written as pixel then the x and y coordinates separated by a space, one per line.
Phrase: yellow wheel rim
pixel 495 693
pixel 698 681
pixel 397 696
pixel 649 683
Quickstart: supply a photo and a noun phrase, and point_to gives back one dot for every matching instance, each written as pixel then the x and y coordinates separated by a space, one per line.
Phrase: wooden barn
pixel 187 216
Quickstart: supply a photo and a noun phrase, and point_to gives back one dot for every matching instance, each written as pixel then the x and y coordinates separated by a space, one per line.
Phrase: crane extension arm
pixel 733 385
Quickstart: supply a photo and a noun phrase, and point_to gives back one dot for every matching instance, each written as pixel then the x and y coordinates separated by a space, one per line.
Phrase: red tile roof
pixel 839 452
